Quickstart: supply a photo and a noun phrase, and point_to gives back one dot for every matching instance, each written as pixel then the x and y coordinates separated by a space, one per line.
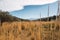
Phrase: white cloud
pixel 11 5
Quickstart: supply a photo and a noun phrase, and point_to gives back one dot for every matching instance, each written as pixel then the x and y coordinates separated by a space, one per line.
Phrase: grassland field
pixel 33 30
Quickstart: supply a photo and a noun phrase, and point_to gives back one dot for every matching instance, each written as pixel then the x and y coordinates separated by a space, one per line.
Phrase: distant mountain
pixel 52 18
pixel 6 17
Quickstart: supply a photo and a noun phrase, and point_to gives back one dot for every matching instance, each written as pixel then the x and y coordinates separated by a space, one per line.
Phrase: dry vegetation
pixel 30 30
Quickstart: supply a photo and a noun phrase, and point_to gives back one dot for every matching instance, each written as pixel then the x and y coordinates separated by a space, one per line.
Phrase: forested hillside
pixel 7 17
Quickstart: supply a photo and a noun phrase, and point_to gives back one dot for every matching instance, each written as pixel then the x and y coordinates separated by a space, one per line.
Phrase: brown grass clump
pixel 30 30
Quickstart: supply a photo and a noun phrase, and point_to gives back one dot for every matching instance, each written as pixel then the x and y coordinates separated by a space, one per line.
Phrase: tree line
pixel 7 17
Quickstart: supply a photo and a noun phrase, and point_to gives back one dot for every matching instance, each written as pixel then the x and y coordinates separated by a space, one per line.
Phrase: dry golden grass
pixel 30 30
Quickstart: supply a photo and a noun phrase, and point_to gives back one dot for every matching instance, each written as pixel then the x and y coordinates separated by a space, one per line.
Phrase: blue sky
pixel 33 11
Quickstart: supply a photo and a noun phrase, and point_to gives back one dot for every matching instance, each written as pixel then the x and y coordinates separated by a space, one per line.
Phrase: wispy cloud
pixel 11 5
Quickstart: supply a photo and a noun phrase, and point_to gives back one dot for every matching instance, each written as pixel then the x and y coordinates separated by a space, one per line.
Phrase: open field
pixel 33 30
